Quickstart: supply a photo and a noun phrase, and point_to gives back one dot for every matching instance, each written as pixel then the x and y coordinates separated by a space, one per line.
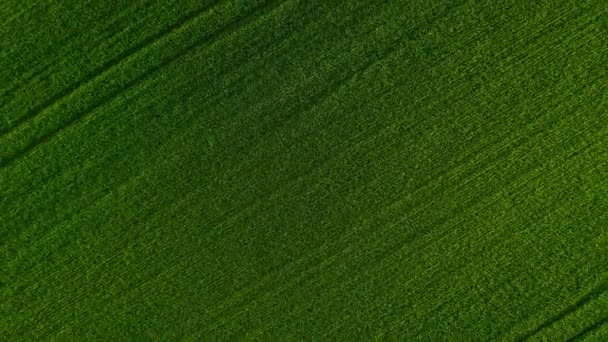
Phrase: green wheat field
pixel 432 170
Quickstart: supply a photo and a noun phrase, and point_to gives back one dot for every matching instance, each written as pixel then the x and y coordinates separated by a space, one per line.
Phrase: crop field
pixel 304 170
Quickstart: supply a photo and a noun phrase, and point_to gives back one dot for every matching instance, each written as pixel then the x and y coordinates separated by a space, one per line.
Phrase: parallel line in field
pixel 42 69
pixel 231 27
pixel 592 295
pixel 68 42
pixel 107 66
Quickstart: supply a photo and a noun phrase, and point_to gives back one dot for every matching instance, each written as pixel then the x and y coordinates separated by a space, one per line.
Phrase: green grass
pixel 304 170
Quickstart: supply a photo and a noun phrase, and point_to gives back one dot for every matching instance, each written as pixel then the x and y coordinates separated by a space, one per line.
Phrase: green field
pixel 304 170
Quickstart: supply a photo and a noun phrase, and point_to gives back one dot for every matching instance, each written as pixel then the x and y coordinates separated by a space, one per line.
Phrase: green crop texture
pixel 304 170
